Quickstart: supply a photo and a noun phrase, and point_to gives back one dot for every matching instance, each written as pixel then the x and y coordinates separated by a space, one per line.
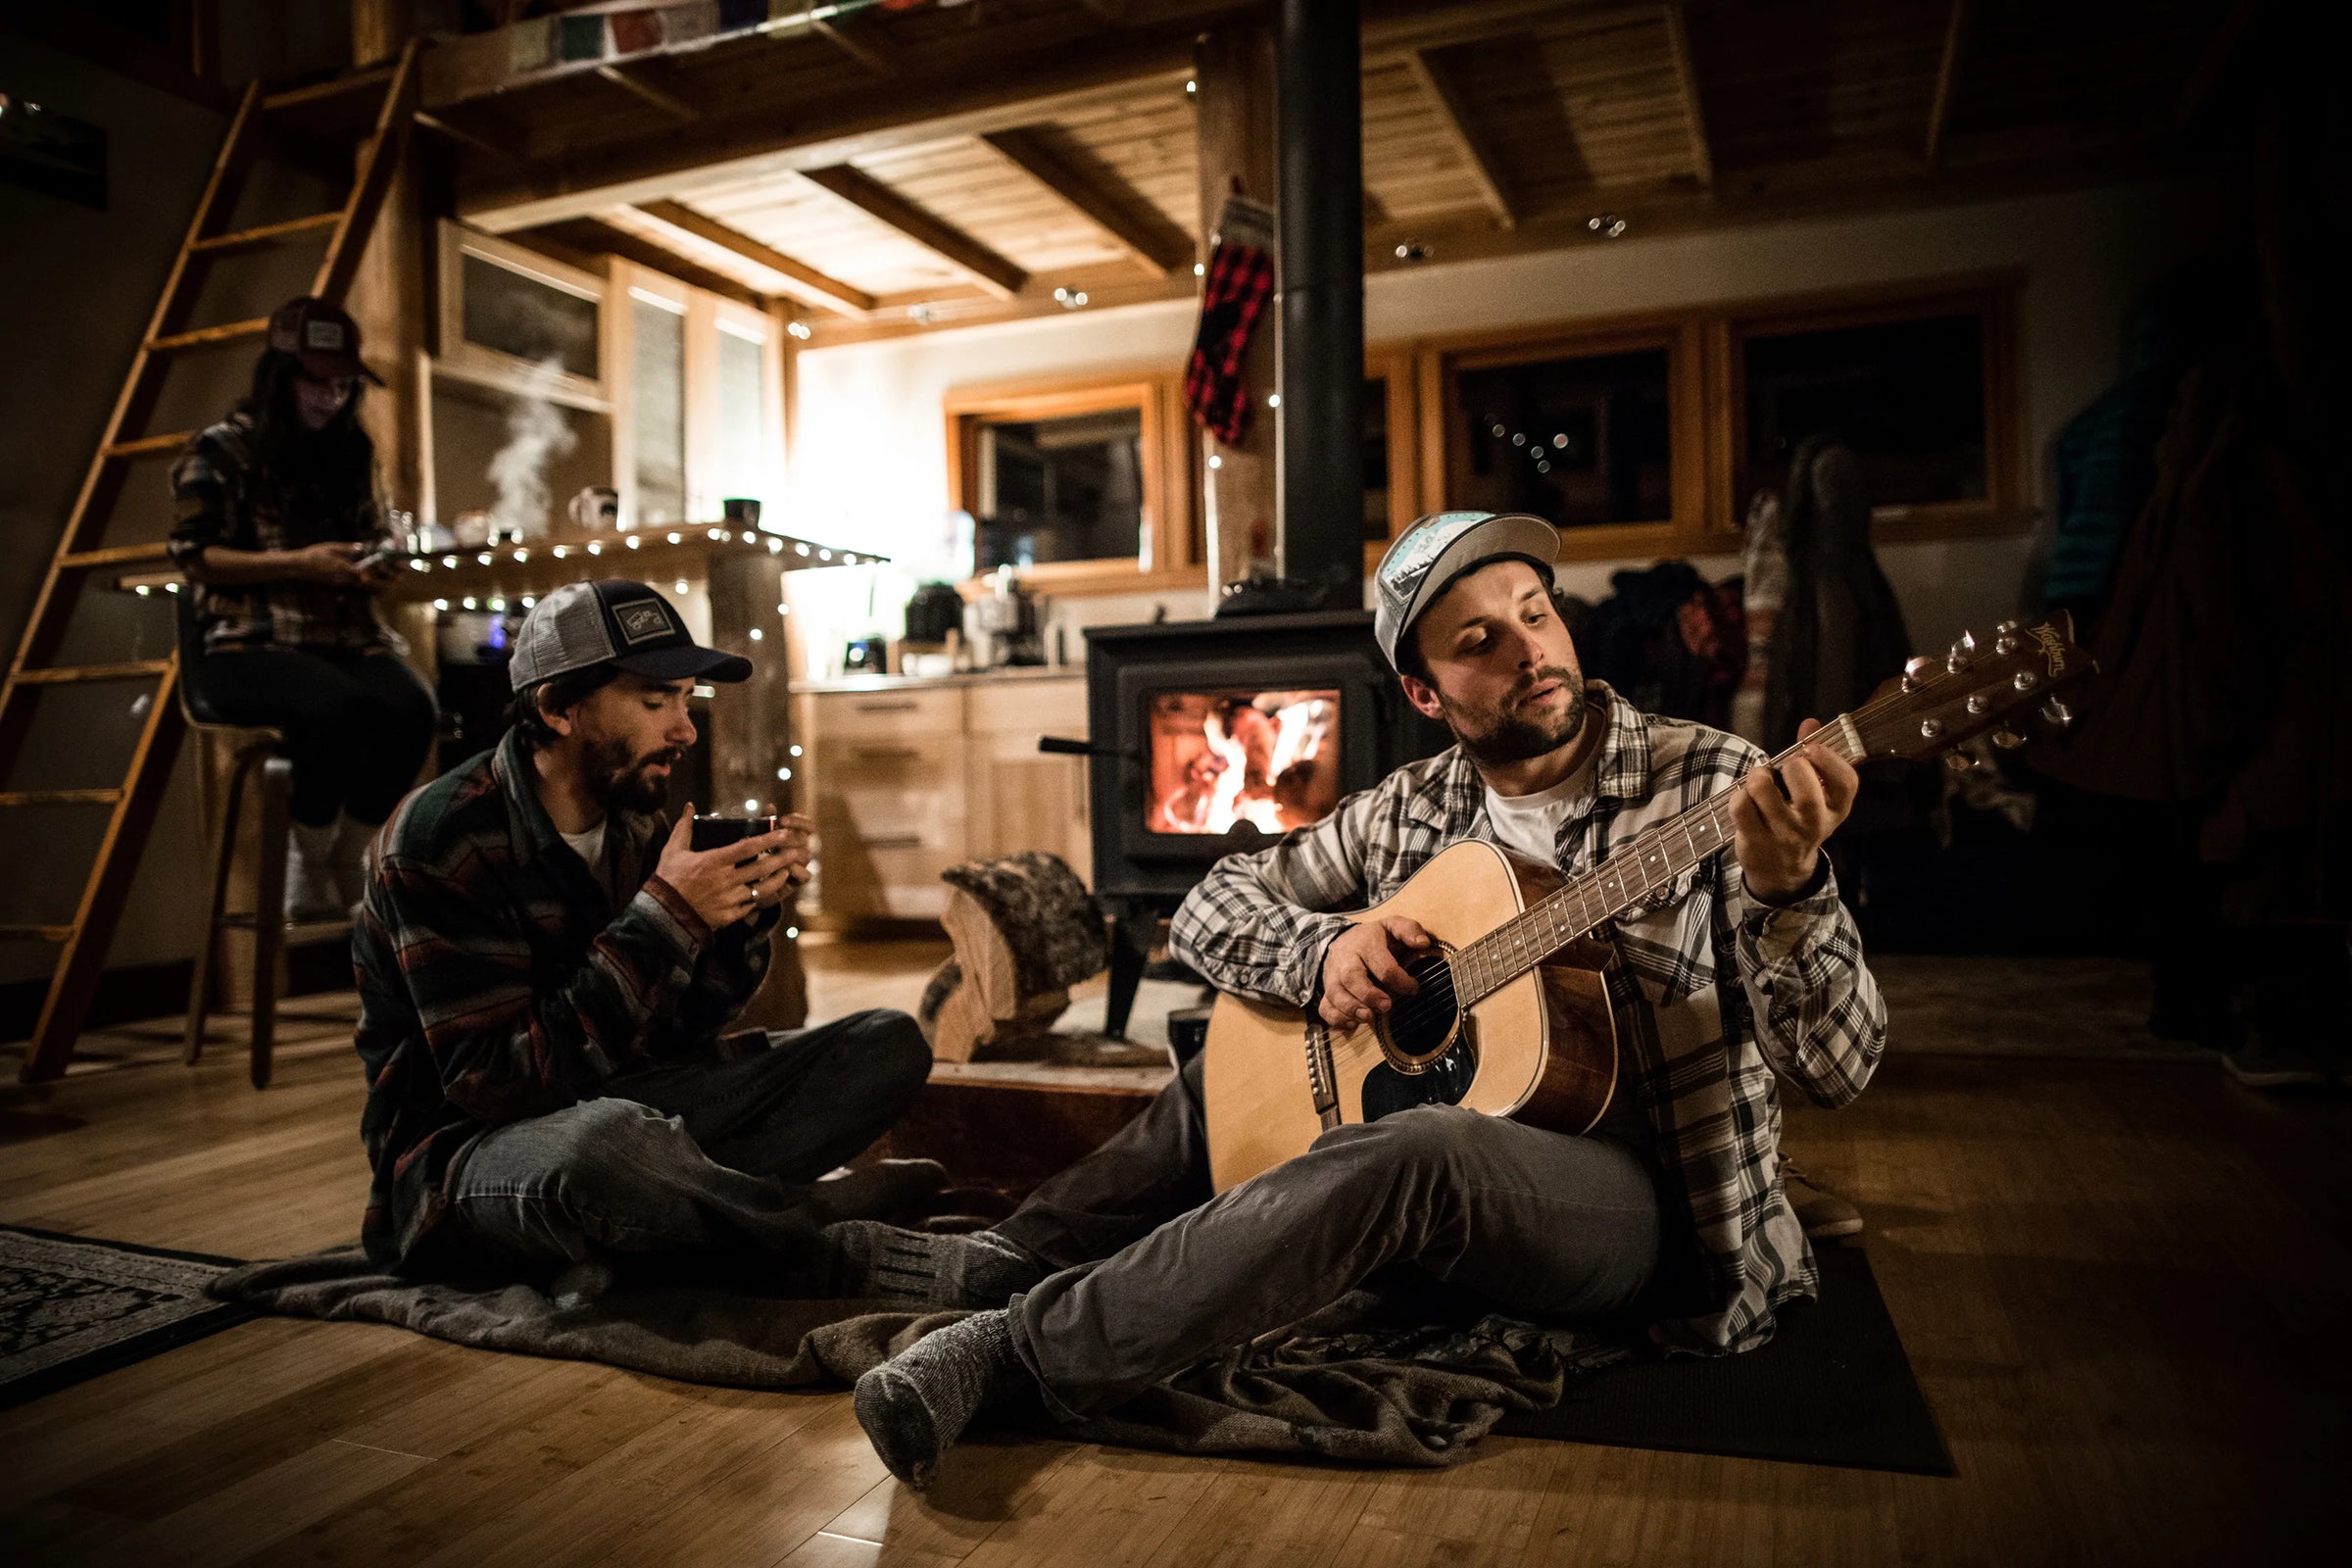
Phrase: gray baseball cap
pixel 624 623
pixel 1429 556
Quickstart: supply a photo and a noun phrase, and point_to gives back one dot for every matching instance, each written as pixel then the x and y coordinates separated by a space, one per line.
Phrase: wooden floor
pixel 2124 1284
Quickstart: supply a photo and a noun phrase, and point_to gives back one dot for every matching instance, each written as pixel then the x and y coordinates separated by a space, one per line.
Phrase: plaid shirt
pixel 223 494
pixel 497 981
pixel 1697 1054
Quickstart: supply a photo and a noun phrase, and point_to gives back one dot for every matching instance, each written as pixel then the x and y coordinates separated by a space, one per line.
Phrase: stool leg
pixel 270 913
pixel 224 848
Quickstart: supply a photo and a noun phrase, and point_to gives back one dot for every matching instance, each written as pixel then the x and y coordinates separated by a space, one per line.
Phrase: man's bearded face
pixel 1514 729
pixel 621 778
pixel 1503 669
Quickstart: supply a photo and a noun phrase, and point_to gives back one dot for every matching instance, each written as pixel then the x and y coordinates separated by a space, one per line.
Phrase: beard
pixel 1505 734
pixel 620 781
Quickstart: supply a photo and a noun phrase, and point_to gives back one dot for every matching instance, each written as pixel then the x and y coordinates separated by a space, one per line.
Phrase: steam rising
pixel 535 435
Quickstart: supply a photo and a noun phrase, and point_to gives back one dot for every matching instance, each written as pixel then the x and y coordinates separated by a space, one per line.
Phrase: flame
pixel 1222 787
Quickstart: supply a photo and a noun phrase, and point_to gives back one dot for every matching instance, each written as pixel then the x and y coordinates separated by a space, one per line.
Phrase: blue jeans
pixel 686 1158
pixel 1157 1273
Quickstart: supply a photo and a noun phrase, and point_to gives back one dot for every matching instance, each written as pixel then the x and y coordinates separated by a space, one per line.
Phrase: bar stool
pixel 253 750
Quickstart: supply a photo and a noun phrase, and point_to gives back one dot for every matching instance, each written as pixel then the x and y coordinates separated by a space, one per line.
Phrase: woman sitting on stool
pixel 275 509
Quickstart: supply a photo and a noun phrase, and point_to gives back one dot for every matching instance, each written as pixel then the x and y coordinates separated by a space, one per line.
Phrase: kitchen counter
pixel 912 683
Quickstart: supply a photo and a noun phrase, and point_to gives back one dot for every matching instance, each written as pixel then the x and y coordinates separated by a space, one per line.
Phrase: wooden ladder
pixel 293 114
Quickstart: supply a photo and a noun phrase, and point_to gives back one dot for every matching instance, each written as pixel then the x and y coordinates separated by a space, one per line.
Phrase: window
pixel 1081 488
pixel 1060 489
pixel 1907 394
pixel 529 315
pixel 658 404
pixel 744 446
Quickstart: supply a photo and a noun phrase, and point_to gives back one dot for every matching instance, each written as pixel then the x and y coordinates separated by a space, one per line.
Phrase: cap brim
pixel 691 662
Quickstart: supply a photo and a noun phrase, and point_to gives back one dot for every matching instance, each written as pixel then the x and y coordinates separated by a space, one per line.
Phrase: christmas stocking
pixel 1238 282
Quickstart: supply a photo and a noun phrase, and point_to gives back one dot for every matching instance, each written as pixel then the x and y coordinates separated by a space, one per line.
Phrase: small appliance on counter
pixel 865 656
pixel 1004 622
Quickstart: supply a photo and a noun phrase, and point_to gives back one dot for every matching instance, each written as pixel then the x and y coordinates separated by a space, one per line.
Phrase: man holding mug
pixel 546 968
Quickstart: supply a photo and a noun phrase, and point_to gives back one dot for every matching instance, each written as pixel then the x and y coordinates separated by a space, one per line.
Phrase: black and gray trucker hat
pixel 624 623
pixel 1429 556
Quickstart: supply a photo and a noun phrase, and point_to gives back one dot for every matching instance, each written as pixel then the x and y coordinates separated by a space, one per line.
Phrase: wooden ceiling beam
pixel 1454 117
pixel 933 234
pixel 1948 80
pixel 794 278
pixel 1099 196
pixel 1686 77
pixel 629 79
pixel 586 242
pixel 857 39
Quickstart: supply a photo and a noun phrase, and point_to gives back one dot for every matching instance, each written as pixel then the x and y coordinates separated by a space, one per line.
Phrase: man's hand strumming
pixel 1363 969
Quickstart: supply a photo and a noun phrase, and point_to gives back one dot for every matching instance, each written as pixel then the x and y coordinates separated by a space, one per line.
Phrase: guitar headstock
pixel 1936 704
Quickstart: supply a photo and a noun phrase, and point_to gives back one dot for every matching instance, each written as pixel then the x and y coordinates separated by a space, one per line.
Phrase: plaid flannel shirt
pixel 499 981
pixel 223 496
pixel 1714 993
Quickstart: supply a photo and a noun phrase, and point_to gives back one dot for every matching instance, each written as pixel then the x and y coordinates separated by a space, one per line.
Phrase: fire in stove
pixel 1221 759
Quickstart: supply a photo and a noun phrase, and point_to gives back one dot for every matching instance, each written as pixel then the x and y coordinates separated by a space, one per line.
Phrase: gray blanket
pixel 1381 1379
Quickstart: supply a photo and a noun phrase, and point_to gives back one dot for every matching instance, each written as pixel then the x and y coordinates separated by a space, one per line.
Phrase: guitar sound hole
pixel 1418 1026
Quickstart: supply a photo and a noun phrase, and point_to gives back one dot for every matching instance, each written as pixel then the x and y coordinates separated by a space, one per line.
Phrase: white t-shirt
pixel 590 848
pixel 1529 826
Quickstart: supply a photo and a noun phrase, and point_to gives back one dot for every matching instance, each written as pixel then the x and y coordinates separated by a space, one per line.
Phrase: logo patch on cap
pixel 642 620
pixel 326 335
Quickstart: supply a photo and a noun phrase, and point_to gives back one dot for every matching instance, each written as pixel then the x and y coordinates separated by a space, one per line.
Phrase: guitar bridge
pixel 1321 1081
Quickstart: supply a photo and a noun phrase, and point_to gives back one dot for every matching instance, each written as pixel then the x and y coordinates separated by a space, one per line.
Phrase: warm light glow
pixel 1268 758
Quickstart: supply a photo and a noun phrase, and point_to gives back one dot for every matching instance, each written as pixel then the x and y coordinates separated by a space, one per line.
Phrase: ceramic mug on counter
pixel 596 508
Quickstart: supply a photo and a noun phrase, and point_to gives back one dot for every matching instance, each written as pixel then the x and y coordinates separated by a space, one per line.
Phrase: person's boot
pixel 311 892
pixel 348 860
pixel 1823 1215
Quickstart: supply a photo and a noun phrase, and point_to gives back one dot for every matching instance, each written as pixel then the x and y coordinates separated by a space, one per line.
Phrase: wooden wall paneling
pixel 1234 70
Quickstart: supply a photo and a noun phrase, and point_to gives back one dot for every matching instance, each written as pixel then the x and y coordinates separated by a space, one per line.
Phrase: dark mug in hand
pixel 718 832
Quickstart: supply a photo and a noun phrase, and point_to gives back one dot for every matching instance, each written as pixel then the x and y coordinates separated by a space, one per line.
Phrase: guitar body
pixel 1541 1048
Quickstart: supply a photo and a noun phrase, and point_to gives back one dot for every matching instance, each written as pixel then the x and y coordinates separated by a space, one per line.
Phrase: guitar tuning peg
pixel 1917 672
pixel 2008 628
pixel 1958 762
pixel 2008 740
pixel 2057 712
pixel 1962 652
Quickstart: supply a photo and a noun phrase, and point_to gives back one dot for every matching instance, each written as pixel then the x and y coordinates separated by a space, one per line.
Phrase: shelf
pixel 648 555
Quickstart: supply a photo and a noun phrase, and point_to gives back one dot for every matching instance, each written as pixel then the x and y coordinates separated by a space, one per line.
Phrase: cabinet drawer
pixel 936 710
pixel 1028 708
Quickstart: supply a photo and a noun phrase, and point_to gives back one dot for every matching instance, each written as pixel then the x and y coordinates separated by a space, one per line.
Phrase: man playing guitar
pixel 1667 1215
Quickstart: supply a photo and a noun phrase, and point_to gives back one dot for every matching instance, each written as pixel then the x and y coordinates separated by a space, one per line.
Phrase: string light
pixel 783 774
pixel 634 541
pixel 792 933
pixel 795 751
pixel 674 538
pixel 681 586
pixel 440 604
pixel 755 634
pixel 469 603
pixel 595 549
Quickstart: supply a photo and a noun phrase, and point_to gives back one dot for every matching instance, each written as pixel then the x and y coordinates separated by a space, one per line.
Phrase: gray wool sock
pixel 866 1258
pixel 916 1405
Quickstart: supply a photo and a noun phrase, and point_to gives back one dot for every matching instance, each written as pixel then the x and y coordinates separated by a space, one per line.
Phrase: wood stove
pixel 1211 737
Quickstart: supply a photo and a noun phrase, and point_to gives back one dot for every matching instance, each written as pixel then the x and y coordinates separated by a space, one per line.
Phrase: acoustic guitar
pixel 1512 1016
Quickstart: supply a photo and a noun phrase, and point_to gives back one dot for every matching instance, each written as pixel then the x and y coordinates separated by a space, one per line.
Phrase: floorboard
pixel 2124 1281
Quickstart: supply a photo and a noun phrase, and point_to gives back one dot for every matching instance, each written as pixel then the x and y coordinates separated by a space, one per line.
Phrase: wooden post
pixel 387 294
pixel 750 735
pixel 1233 75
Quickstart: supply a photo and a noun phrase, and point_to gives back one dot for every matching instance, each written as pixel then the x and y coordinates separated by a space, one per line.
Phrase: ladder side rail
pixel 379 162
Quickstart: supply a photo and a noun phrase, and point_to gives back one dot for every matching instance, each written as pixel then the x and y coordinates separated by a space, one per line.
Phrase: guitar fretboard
pixel 1651 861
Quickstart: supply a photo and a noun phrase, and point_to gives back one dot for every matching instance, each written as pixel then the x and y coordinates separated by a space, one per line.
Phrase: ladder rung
pixel 376 77
pixel 60 796
pixel 205 336
pixel 248 239
pixel 296 932
pixel 114 555
pixel 151 443
pixel 35 933
pixel 70 675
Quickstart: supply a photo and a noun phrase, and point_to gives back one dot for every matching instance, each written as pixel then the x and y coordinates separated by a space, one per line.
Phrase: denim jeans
pixel 1158 1273
pixel 689 1157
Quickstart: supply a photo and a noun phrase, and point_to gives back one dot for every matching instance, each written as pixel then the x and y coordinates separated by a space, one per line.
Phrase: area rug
pixel 72 1307
pixel 1834 1386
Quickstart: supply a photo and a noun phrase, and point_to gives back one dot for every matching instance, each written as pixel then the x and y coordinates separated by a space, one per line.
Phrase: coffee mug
pixel 741 510
pixel 596 508
pixel 718 832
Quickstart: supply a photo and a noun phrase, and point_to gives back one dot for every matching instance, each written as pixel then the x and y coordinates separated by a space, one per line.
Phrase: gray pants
pixel 692 1158
pixel 1157 1273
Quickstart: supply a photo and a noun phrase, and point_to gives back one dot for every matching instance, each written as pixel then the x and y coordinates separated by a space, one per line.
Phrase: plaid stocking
pixel 1240 280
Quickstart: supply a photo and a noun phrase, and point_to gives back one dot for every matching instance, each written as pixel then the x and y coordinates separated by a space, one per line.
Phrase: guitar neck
pixel 1651 861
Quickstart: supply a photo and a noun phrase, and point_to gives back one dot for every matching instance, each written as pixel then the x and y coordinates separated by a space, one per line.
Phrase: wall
pixel 870 461
pixel 76 287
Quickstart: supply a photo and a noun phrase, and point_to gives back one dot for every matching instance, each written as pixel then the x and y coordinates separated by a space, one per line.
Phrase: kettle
pixel 936 610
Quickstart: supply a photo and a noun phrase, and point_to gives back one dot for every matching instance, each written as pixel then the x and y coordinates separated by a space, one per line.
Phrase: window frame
pixel 1992 297
pixel 1171 555
pixel 1690 527
pixel 1400 380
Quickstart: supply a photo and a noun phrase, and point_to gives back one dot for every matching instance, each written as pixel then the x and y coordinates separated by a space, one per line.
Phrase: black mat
pixel 72 1307
pixel 1834 1386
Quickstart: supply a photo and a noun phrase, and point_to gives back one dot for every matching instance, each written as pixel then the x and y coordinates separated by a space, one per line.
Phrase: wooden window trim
pixel 1172 531
pixel 465 360
pixel 1690 529
pixel 1707 407
pixel 1991 296
pixel 1400 381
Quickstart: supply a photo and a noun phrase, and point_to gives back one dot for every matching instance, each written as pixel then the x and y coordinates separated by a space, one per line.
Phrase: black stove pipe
pixel 1321 208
